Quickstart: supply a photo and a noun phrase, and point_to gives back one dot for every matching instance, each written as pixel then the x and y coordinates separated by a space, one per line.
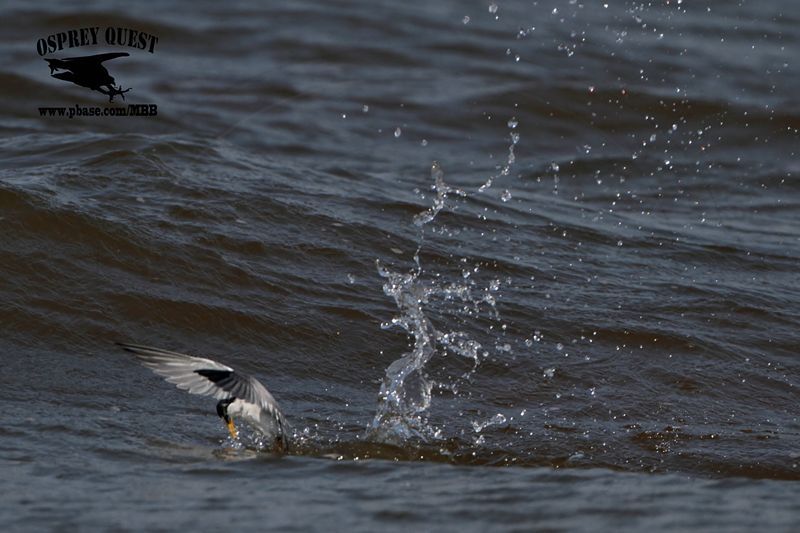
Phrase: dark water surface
pixel 583 316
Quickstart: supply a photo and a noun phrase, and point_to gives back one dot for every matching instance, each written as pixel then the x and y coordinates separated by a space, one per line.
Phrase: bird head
pixel 222 412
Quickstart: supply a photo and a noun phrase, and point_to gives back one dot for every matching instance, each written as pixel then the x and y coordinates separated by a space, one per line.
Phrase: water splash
pixel 248 439
pixel 442 191
pixel 406 391
pixel 505 170
pixel 497 419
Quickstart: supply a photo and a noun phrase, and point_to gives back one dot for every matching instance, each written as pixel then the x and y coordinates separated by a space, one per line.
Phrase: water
pixel 508 266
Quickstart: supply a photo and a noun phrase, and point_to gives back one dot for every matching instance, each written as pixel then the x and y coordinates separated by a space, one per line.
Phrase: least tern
pixel 238 394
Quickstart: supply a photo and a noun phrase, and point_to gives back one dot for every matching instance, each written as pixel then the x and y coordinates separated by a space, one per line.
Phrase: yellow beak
pixel 231 428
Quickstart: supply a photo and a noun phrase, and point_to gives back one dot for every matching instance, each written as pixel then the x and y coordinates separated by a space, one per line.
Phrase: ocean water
pixel 506 266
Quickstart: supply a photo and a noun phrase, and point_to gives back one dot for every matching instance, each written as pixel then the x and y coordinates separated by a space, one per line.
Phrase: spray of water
pixel 505 169
pixel 405 394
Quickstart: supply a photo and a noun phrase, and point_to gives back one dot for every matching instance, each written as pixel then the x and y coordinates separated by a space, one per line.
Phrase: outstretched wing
pixel 95 59
pixel 188 373
pixel 203 376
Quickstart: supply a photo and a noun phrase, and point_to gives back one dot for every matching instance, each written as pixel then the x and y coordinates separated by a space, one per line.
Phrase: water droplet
pixel 365 108
pixel 424 142
pixel 513 122
pixel 493 8
pixel 549 372
pixel 559 346
pixel 398 132
pixel 506 196
pixel 465 20
pixel 619 243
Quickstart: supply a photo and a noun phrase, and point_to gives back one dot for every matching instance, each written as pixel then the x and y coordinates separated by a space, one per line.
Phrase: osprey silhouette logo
pixel 88 71
pixel 91 71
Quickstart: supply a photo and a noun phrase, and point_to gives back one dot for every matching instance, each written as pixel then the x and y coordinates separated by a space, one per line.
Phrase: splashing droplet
pixel 499 418
pixel 442 190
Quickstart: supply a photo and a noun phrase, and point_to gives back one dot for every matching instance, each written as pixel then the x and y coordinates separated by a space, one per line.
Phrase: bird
pixel 88 71
pixel 238 394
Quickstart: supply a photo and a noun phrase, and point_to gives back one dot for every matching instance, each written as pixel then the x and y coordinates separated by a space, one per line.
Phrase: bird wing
pixel 204 376
pixel 188 373
pixel 95 59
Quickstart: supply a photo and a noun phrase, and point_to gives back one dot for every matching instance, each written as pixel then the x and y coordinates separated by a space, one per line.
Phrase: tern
pixel 238 394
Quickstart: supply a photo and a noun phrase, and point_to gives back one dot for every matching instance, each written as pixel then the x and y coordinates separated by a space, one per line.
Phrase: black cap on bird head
pixel 222 412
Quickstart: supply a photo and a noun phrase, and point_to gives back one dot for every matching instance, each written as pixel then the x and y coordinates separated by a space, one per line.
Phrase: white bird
pixel 238 394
